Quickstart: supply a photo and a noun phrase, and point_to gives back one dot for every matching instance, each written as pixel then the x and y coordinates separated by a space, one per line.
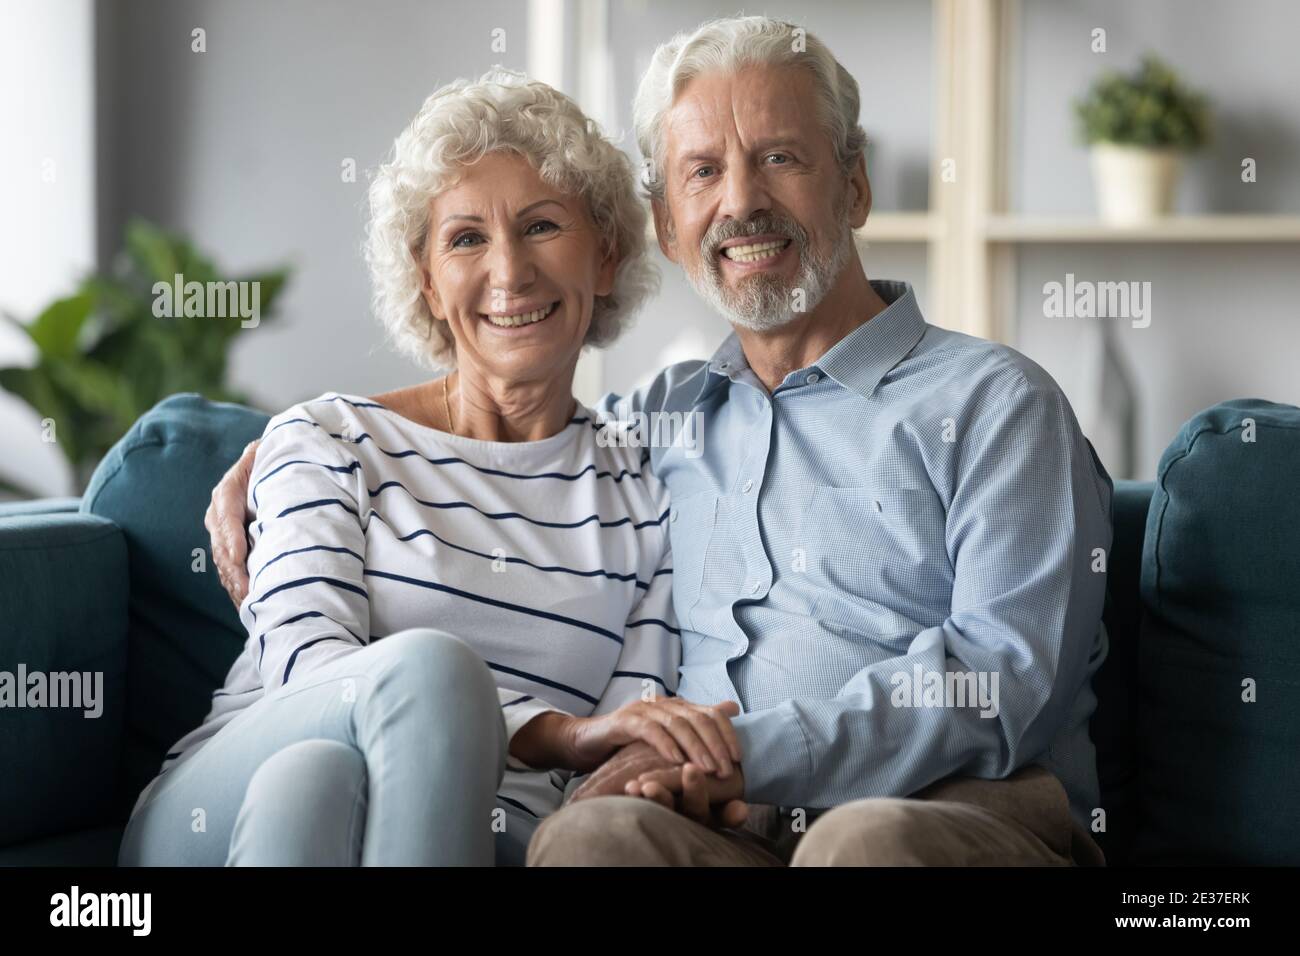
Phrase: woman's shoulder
pixel 331 415
pixel 620 453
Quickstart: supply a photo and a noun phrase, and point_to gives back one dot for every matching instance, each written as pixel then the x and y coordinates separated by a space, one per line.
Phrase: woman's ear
pixel 427 288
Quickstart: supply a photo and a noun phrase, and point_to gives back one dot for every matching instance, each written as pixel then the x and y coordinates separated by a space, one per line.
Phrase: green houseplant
pixel 122 342
pixel 1139 125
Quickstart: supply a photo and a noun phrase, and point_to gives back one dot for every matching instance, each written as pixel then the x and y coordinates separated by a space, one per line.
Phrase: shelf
pixel 1224 228
pixel 899 227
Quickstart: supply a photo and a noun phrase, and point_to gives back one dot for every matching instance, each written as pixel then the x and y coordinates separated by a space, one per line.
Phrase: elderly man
pixel 891 550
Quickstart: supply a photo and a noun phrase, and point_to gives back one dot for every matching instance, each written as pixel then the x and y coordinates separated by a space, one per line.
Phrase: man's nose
pixel 743 193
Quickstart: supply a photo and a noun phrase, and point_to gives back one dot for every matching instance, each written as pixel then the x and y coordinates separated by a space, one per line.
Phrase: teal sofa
pixel 1197 726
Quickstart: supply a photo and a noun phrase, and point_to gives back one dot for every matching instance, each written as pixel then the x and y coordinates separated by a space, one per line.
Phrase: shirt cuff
pixel 516 715
pixel 774 756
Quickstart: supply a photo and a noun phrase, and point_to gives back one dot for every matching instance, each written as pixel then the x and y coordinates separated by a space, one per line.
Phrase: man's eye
pixel 702 169
pixel 781 158
pixel 460 243
pixel 545 224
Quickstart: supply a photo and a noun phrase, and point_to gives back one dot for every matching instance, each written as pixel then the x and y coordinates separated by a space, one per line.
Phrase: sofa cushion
pixel 94 847
pixel 155 485
pixel 1220 778
pixel 1116 683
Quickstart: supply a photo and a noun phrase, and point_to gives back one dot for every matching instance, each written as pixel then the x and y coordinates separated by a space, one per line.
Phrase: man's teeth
pixel 524 318
pixel 755 252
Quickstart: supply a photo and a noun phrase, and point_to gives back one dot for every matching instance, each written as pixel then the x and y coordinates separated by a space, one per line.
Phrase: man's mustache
pixel 766 224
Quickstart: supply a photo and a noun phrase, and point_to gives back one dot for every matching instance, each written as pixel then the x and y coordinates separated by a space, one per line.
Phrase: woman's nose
pixel 510 267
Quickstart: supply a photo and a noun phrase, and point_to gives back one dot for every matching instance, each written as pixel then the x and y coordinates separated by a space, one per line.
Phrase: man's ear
pixel 605 274
pixel 664 230
pixel 860 185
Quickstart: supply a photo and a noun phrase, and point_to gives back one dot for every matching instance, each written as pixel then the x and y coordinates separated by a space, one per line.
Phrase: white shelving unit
pixel 972 238
pixel 1227 228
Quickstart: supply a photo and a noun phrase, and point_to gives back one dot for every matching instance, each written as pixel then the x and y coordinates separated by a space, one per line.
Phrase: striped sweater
pixel 550 558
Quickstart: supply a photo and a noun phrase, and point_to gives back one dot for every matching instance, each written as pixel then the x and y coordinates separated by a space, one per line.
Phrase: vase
pixel 1135 184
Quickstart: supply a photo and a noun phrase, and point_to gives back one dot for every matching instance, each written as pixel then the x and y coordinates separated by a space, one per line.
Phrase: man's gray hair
pixel 731 45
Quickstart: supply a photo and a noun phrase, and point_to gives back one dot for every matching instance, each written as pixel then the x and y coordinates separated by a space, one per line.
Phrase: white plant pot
pixel 1135 184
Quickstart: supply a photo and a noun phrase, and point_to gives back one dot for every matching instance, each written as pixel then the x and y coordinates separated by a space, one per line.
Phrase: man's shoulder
pixel 980 367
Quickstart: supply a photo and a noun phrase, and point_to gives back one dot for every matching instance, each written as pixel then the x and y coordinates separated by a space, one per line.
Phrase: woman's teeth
pixel 756 252
pixel 524 318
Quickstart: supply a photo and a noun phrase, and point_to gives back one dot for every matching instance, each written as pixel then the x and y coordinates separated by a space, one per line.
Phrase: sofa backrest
pixel 184 632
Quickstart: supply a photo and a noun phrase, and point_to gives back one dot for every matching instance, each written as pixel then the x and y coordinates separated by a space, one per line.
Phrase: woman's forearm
pixel 545 742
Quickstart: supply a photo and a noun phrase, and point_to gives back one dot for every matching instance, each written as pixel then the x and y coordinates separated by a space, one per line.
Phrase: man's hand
pixel 703 797
pixel 626 768
pixel 226 518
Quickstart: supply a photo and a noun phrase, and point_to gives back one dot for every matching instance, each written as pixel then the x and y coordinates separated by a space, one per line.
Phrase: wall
pixel 1225 318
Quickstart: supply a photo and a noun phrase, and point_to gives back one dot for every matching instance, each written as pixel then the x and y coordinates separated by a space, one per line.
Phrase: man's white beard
pixel 766 302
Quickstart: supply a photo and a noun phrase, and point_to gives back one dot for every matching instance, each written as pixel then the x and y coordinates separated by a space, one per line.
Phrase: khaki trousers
pixel 1023 820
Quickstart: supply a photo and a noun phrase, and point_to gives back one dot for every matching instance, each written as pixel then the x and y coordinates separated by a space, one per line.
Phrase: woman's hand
pixel 677 729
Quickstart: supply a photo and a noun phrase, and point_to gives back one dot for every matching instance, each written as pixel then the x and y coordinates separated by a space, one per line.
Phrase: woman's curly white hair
pixel 458 125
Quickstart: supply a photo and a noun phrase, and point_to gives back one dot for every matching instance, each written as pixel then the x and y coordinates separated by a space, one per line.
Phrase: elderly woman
pixel 458 595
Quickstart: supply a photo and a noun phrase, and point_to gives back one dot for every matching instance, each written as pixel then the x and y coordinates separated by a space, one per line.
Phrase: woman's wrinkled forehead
pixel 500 183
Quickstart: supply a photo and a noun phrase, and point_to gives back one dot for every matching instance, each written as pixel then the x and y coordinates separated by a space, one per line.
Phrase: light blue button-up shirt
pixel 894 562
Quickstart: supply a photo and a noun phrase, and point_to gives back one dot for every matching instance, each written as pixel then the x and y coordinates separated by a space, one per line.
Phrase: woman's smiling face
pixel 514 266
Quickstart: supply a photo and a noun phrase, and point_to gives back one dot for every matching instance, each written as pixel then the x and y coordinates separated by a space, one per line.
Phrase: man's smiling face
pixel 757 206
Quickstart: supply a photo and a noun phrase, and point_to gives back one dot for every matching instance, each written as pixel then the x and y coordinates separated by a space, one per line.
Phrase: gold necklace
pixel 447 403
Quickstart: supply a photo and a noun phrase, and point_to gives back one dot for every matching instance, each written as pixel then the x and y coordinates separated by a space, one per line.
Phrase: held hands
pixel 672 729
pixel 640 769
pixel 678 730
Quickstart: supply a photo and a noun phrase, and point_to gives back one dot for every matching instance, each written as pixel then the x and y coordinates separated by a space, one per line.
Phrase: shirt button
pixel 672 515
pixel 814 378
pixel 724 366
pixel 754 588
pixel 748 485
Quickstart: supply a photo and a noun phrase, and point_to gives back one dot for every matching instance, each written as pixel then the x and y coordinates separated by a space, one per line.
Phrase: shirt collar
pixel 859 360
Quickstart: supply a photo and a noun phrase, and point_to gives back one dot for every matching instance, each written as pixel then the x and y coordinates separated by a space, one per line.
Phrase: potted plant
pixel 1138 126
pixel 105 354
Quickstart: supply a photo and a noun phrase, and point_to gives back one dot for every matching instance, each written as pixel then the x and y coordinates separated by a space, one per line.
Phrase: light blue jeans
pixel 390 756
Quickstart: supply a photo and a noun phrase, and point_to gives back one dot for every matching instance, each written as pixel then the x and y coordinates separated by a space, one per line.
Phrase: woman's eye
pixel 545 224
pixel 460 243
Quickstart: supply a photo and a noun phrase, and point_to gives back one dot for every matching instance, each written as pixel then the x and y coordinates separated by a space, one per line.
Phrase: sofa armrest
pixel 63 655
pixel 39 506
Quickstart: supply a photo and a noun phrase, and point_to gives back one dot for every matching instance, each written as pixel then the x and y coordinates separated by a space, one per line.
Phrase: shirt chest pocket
pixel 860 539
pixel 690 524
